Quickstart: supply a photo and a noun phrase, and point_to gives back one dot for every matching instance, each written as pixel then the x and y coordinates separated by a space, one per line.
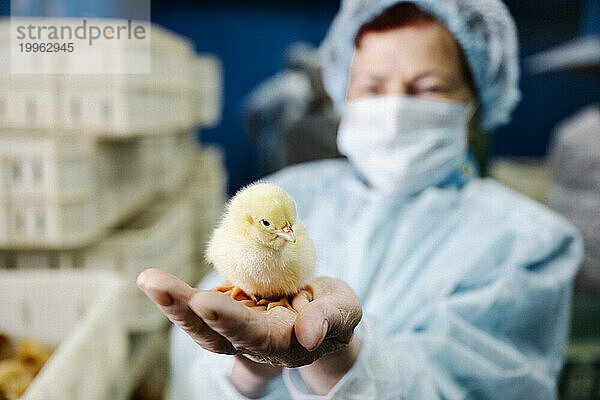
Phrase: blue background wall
pixel 251 36
pixel 547 98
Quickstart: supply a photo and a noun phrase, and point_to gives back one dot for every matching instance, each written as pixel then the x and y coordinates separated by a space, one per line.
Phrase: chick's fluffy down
pixel 259 269
pixel 262 271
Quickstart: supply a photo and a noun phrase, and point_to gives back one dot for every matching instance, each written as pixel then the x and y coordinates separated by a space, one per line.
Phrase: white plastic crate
pixel 147 241
pixel 103 57
pixel 160 233
pixel 142 315
pixel 207 103
pixel 65 191
pixel 123 182
pixel 208 206
pixel 175 110
pixel 50 222
pixel 105 107
pixel 102 106
pixel 37 63
pixel 42 259
pixel 4 238
pixel 211 169
pixel 4 100
pixel 209 179
pixel 204 224
pixel 46 166
pixel 155 237
pixel 4 43
pixel 160 237
pixel 81 314
pixel 115 57
pixel 120 202
pixel 171 58
pixel 47 195
pixel 28 102
pixel 116 107
pixel 207 188
pixel 101 101
pixel 168 159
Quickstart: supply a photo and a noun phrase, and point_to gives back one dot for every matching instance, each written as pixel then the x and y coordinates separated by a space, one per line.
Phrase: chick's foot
pixel 236 292
pixel 284 302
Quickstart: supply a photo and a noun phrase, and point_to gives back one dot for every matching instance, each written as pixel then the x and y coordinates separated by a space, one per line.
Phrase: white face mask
pixel 402 143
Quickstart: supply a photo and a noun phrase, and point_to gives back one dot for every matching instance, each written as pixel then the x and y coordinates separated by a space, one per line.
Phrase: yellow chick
pixel 261 247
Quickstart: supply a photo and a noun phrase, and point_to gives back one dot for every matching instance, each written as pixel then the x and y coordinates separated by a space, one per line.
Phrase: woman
pixel 463 287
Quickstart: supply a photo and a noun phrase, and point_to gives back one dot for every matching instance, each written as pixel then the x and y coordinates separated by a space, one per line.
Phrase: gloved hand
pixel 328 312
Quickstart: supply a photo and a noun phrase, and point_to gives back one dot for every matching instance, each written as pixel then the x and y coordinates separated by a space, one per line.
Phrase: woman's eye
pixel 265 222
pixel 370 90
pixel 435 89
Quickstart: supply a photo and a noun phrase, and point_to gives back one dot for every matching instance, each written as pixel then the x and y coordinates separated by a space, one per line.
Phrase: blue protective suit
pixel 465 289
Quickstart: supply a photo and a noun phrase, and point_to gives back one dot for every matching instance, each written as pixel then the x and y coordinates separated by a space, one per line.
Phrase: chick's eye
pixel 265 222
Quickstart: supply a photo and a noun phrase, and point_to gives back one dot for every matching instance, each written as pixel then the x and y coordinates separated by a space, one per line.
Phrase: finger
pixel 338 300
pixel 302 298
pixel 163 288
pixel 242 326
pixel 334 313
pixel 172 297
pixel 251 304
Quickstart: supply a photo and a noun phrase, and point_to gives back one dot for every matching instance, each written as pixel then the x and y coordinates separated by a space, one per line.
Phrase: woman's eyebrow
pixel 369 75
pixel 434 72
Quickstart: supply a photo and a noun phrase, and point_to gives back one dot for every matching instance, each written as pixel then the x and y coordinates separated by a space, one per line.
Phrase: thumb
pixel 334 315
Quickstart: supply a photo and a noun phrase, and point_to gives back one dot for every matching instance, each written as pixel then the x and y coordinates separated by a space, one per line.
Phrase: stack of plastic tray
pixel 78 312
pixel 112 106
pixel 207 100
pixel 96 172
pixel 86 55
pixel 64 191
pixel 171 49
pixel 160 237
pixel 48 193
pixel 168 159
pixel 208 189
pixel 123 183
pixel 28 102
pixel 105 100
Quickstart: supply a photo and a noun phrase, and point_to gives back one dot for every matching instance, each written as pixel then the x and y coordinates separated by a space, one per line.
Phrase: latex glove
pixel 328 312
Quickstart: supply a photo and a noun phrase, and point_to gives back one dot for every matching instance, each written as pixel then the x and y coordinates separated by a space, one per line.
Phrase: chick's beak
pixel 287 233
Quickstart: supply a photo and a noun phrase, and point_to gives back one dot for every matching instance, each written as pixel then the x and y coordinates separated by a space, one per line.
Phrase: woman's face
pixel 421 60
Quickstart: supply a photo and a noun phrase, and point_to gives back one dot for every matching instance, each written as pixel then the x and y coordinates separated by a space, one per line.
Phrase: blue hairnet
pixel 483 28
